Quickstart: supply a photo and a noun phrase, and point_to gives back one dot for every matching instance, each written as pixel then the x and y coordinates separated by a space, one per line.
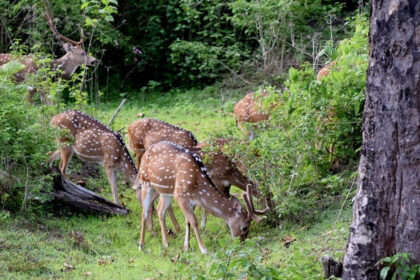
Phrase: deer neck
pixel 214 201
pixel 129 170
pixel 67 66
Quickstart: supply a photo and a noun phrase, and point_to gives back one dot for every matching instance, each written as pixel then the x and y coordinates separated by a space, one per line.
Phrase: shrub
pixel 314 130
pixel 25 139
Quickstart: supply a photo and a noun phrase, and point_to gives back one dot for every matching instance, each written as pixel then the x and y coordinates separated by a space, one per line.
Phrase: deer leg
pixel 188 211
pixel 54 156
pixel 164 203
pixel 187 235
pixel 203 219
pixel 173 219
pixel 44 98
pixel 150 216
pixel 31 93
pixel 66 155
pixel 251 135
pixel 139 154
pixel 147 195
pixel 110 174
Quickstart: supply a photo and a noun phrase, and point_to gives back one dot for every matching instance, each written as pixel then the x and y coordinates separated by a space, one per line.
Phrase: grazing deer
pixel 249 109
pixel 170 170
pixel 94 142
pixel 66 65
pixel 145 132
pixel 223 172
pixel 325 71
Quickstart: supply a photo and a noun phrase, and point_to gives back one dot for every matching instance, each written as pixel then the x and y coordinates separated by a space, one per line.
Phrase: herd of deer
pixel 168 165
pixel 168 158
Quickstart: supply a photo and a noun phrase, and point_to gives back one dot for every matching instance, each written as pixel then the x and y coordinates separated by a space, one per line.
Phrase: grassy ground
pixel 48 247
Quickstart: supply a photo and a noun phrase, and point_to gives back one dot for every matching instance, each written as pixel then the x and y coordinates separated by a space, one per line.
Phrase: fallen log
pixel 84 199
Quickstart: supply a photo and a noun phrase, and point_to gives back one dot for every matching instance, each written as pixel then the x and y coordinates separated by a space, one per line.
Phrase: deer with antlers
pixel 249 109
pixel 94 142
pixel 170 170
pixel 65 66
pixel 145 132
pixel 222 171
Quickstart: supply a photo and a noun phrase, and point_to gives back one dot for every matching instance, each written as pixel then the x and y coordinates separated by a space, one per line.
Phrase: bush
pixel 25 139
pixel 314 131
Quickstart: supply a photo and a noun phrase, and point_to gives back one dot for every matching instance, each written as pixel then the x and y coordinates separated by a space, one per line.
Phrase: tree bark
pixel 386 213
pixel 84 199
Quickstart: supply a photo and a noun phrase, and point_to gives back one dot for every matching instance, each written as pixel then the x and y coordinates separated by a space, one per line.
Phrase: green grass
pixel 203 112
pixel 38 247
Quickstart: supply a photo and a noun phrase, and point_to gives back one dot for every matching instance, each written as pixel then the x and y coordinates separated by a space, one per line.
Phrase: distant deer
pixel 145 132
pixel 170 170
pixel 330 118
pixel 325 71
pixel 249 109
pixel 75 56
pixel 93 142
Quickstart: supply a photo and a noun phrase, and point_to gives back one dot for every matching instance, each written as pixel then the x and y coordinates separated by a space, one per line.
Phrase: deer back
pixel 94 141
pixel 26 61
pixel 325 71
pixel 222 170
pixel 145 132
pixel 249 108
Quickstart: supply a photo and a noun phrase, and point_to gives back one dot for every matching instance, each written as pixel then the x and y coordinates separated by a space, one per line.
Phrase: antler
pixel 252 213
pixel 48 17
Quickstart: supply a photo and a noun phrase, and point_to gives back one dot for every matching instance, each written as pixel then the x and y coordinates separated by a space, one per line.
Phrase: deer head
pixel 75 53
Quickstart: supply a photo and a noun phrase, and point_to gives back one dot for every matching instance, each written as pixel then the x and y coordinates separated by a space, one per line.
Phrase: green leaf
pixel 84 5
pixel 12 67
pixel 384 272
pixel 109 18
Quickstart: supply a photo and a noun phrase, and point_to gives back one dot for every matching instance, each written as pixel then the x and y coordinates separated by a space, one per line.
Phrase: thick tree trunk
pixel 387 208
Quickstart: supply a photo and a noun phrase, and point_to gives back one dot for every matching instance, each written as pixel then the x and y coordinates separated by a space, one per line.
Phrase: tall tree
pixel 387 208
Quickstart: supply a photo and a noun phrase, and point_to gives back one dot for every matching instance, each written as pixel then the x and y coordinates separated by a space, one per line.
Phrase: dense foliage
pixel 314 132
pixel 304 156
pixel 182 43
pixel 25 139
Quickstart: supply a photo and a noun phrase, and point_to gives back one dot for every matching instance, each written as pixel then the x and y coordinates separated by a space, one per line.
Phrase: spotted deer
pixel 170 170
pixel 249 109
pixel 223 171
pixel 145 132
pixel 93 142
pixel 65 66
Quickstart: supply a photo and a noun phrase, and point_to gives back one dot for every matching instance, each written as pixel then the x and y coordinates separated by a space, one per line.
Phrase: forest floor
pixel 80 246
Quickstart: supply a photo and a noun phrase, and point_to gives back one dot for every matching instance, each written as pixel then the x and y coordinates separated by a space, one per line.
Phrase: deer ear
pixel 68 47
pixel 236 205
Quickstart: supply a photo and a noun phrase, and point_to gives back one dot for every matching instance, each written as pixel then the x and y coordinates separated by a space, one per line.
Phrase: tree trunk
pixel 386 214
pixel 84 199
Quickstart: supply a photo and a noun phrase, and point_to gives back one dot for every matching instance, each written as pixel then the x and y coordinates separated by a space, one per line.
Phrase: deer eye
pixel 245 229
